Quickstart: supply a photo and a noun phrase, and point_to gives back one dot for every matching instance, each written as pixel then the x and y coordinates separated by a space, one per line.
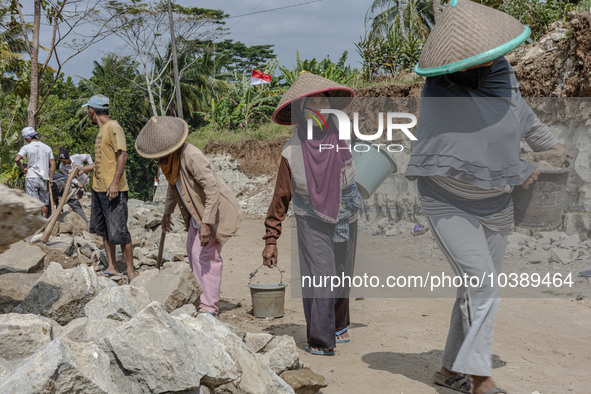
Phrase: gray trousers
pixel 473 249
pixel 326 311
pixel 58 190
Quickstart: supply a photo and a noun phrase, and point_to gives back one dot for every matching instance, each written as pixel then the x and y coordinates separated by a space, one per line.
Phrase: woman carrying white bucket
pixel 321 185
pixel 467 160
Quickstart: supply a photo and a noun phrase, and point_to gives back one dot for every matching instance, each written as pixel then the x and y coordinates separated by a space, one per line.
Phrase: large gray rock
pixel 151 219
pixel 573 241
pixel 64 244
pixel 562 256
pixel 61 294
pixel 281 354
pixel 23 335
pixel 5 368
pixel 63 366
pixel 173 286
pixel 111 308
pixel 256 342
pixel 176 243
pixel 19 216
pixel 304 381
pixel 164 353
pixel 74 329
pixel 14 288
pixel 78 224
pixel 21 257
pixel 256 376
pixel 188 309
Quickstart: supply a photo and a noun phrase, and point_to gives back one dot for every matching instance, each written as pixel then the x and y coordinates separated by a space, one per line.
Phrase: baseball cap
pixel 29 133
pixel 64 154
pixel 97 101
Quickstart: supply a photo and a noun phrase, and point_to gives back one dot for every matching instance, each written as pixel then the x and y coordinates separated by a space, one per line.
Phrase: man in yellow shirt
pixel 108 217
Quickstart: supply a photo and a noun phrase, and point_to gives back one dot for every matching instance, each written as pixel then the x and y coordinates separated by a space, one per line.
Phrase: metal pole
pixel 177 82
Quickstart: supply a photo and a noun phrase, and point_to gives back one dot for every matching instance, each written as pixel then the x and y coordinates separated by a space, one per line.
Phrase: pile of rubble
pixel 117 339
pixel 63 328
pixel 550 247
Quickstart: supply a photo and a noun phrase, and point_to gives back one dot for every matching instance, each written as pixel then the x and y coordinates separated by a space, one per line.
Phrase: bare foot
pixel 482 384
pixel 447 372
pixel 320 349
pixel 131 275
pixel 344 335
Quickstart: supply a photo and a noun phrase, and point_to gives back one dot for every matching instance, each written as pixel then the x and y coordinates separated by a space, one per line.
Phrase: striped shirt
pixel 539 138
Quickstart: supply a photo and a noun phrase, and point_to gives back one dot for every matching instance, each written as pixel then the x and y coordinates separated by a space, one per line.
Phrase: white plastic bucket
pixel 372 167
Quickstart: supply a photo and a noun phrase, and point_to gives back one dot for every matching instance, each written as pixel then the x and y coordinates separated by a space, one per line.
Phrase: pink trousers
pixel 206 264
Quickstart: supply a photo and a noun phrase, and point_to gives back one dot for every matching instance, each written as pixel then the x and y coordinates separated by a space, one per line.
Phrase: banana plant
pixel 336 72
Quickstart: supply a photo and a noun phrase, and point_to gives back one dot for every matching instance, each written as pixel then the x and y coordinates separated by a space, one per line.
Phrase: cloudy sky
pixel 326 27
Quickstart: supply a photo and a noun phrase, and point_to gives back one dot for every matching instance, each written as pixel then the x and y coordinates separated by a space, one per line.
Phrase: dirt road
pixel 541 344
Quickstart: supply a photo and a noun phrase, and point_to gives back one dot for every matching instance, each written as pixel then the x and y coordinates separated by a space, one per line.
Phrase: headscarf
pixel 470 127
pixel 323 169
pixel 170 166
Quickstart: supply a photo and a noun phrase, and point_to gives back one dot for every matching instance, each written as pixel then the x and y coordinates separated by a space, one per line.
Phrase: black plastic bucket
pixel 540 206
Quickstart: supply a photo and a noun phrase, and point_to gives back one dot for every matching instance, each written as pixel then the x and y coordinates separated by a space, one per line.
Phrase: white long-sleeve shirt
pixel 77 160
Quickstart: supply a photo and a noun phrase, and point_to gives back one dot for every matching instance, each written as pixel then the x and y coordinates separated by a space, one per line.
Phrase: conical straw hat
pixel 469 34
pixel 308 84
pixel 161 136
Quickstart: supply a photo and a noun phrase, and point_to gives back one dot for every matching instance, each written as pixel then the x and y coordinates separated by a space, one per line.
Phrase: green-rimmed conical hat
pixel 469 34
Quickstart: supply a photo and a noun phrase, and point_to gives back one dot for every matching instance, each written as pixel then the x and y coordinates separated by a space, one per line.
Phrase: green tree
pixel 338 72
pixel 241 57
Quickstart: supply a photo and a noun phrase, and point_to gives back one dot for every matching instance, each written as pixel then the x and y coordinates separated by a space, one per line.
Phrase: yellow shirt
pixel 110 139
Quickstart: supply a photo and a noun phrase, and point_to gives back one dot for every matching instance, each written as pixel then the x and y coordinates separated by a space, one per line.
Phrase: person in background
pixel 66 163
pixel 326 202
pixel 210 210
pixel 58 187
pixel 40 166
pixel 108 212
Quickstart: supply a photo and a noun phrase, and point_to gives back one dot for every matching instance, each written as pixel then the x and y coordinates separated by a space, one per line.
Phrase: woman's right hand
pixel 270 256
pixel 166 223
pixel 533 177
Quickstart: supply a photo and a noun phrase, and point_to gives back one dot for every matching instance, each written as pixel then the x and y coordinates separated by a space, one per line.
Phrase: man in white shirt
pixel 66 163
pixel 40 166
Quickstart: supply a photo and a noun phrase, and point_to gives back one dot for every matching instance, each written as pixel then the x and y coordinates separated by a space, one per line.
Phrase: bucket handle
pixel 252 274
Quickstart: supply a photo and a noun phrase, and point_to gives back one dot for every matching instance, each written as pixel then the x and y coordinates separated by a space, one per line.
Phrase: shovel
pixel 53 218
pixel 160 250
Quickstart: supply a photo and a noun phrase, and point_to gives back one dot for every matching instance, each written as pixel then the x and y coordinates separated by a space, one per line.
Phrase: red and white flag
pixel 259 78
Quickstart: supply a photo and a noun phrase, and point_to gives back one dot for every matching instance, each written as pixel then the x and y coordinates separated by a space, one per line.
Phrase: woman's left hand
pixel 533 177
pixel 560 147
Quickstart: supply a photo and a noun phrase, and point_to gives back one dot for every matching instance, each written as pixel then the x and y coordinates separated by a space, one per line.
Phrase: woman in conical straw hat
pixel 466 161
pixel 209 209
pixel 321 185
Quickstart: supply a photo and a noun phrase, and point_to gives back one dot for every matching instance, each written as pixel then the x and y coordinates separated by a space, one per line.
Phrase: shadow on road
pixel 415 366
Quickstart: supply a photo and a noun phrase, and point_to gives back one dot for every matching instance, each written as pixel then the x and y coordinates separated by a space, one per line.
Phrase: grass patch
pixel 265 131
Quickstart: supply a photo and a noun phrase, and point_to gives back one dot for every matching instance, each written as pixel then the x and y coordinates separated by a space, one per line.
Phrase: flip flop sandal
pixel 339 333
pixel 496 390
pixel 107 274
pixel 456 382
pixel 319 352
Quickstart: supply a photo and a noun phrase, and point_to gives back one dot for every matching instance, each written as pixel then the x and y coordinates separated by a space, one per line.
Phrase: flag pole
pixel 248 105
